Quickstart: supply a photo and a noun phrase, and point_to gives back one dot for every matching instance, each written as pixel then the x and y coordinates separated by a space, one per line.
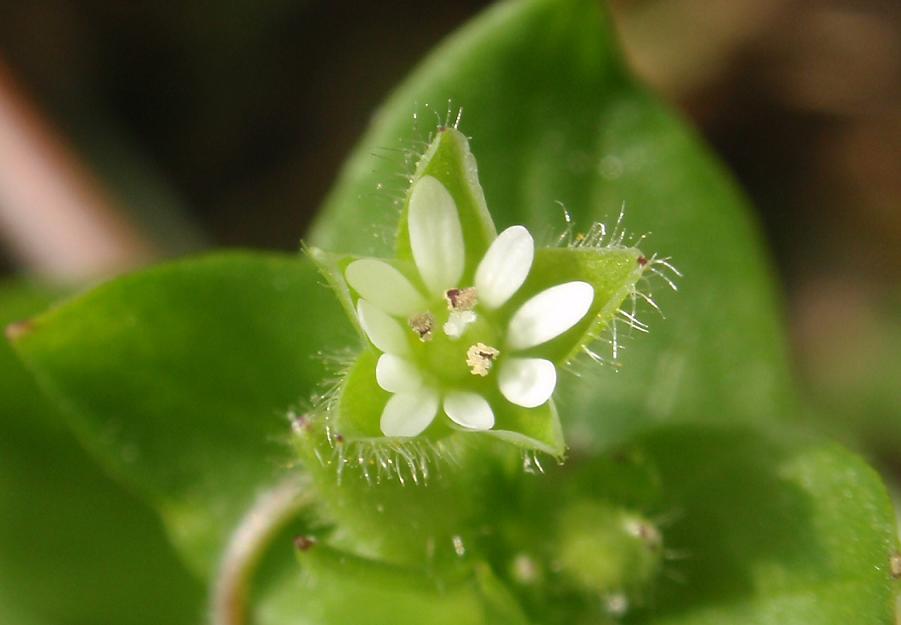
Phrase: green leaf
pixel 75 547
pixel 179 379
pixel 696 524
pixel 554 117
pixel 769 532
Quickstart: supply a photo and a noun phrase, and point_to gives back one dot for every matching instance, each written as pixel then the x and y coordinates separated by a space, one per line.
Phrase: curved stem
pixel 268 514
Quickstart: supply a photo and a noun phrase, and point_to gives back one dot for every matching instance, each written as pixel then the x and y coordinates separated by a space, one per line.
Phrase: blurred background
pixel 133 131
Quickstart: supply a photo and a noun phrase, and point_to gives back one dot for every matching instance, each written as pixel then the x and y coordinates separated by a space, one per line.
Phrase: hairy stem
pixel 268 514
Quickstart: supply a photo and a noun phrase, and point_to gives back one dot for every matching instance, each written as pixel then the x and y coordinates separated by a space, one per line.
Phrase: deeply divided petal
pixel 385 332
pixel 410 413
pixel 436 236
pixel 384 286
pixel 505 266
pixel 469 410
pixel 549 314
pixel 396 374
pixel 527 382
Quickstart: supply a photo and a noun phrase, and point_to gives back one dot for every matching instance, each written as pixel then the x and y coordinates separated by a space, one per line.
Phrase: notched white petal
pixel 385 332
pixel 549 314
pixel 436 236
pixel 527 382
pixel 469 410
pixel 396 374
pixel 384 286
pixel 505 266
pixel 409 414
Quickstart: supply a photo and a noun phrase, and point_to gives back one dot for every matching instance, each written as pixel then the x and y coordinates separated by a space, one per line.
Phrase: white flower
pixel 443 342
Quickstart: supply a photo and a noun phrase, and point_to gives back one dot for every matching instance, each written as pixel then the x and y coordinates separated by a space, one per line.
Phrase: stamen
pixel 461 299
pixel 422 325
pixel 480 357
pixel 457 322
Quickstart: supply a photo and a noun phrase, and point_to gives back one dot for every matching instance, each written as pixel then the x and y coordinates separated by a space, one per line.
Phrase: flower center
pixel 455 342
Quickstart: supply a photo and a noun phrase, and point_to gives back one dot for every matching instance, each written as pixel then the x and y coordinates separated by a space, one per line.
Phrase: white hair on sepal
pixel 605 347
pixel 404 159
pixel 408 461
pixel 531 460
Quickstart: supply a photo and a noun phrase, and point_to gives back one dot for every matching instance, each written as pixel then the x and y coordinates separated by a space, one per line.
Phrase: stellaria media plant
pixel 407 423
pixel 467 322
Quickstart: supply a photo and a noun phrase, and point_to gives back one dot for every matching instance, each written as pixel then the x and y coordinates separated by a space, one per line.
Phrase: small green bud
pixel 607 549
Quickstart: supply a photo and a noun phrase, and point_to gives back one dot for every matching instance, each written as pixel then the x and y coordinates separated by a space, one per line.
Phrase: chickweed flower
pixel 436 344
pixel 467 323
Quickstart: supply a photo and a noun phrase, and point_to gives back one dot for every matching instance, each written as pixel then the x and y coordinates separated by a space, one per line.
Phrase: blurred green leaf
pixel 334 587
pixel 180 379
pixel 75 547
pixel 769 532
pixel 852 372
pixel 554 118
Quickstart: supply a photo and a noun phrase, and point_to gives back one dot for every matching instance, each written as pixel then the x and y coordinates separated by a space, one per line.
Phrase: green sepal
pixel 449 160
pixel 613 272
pixel 362 400
pixel 531 428
pixel 331 267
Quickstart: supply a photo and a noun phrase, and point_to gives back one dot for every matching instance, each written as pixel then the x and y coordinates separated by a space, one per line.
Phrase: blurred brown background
pixel 151 129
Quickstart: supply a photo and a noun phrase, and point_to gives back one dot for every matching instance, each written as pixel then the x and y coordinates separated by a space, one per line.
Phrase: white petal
pixel 549 314
pixel 505 266
pixel 436 236
pixel 396 374
pixel 469 410
pixel 409 414
pixel 385 332
pixel 384 286
pixel 527 382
